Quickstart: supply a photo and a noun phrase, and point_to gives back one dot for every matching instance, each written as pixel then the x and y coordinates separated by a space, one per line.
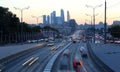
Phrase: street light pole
pixel 36 18
pixel 93 17
pixel 37 24
pixel 21 15
pixel 21 10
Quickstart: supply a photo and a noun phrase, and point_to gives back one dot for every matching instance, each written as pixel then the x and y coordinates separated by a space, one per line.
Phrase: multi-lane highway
pixel 88 65
pixel 37 60
pixel 34 61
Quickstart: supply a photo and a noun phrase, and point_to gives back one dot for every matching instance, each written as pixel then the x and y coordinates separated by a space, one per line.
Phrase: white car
pixel 83 52
pixel 66 52
pixel 117 42
pixel 50 44
pixel 97 42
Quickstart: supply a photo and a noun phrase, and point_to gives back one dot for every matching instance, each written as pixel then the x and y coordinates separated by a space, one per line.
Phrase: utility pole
pixel 105 24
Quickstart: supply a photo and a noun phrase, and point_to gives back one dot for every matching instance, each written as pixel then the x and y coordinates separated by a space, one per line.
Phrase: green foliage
pixel 10 24
pixel 115 31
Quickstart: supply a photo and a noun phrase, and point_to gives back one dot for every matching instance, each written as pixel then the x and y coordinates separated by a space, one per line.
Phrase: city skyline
pixel 52 18
pixel 77 9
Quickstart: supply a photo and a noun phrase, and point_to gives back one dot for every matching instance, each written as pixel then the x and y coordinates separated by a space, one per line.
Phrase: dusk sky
pixel 77 9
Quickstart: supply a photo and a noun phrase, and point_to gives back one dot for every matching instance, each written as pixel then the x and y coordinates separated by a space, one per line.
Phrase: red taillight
pixel 74 63
pixel 81 63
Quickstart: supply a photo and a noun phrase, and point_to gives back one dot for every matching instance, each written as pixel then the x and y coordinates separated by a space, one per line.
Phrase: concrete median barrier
pixel 102 66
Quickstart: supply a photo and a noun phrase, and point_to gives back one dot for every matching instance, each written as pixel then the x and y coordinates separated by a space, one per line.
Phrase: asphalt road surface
pixel 88 65
pixel 32 62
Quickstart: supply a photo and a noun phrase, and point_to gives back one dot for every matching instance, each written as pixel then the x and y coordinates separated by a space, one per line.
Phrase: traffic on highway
pixel 67 55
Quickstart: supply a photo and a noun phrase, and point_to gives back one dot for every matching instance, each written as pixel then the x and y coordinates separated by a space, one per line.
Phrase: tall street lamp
pixel 36 18
pixel 21 10
pixel 93 7
pixel 90 17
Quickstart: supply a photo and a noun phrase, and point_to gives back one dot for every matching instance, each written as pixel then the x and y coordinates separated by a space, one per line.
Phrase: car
pixel 83 52
pixel 117 41
pixel 33 41
pixel 78 65
pixel 66 52
pixel 97 42
pixel 64 64
pixel 74 41
pixel 46 40
pixel 50 44
pixel 42 39
pixel 28 41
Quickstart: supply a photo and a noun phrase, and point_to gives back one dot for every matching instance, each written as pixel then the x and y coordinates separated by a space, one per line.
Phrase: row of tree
pixel 10 23
pixel 11 28
pixel 115 31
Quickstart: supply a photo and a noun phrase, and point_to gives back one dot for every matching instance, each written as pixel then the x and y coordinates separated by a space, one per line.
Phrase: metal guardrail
pixel 102 66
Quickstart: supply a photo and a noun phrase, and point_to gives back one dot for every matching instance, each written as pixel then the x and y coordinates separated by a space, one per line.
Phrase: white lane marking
pixel 33 61
pixel 26 62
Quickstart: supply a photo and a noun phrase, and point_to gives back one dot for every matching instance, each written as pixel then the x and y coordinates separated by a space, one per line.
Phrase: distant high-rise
pixel 48 19
pixel 58 20
pixel 51 18
pixel 44 19
pixel 68 16
pixel 54 17
pixel 62 16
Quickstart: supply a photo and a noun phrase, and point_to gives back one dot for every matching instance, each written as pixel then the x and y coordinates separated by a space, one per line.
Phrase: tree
pixel 9 23
pixel 115 31
pixel 11 30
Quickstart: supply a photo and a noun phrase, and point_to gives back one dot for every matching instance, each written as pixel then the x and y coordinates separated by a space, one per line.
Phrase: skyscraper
pixel 58 20
pixel 48 19
pixel 68 16
pixel 54 17
pixel 51 18
pixel 44 19
pixel 62 16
